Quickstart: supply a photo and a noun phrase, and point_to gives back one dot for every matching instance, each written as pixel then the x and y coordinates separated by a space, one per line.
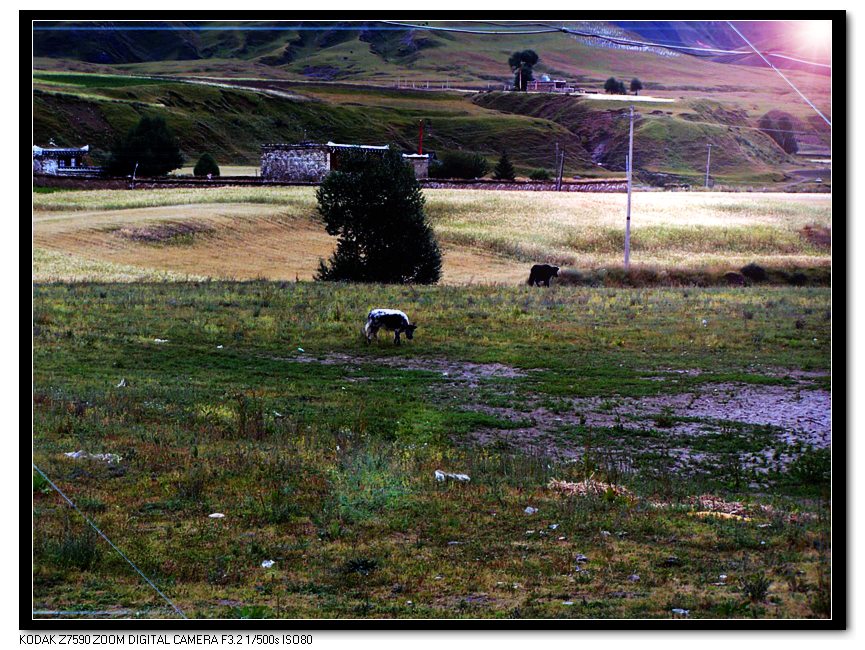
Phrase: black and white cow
pixel 541 274
pixel 389 319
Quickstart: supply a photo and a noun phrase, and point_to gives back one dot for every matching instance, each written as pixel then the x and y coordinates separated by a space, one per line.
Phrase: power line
pixel 103 536
pixel 704 52
pixel 769 63
pixel 461 30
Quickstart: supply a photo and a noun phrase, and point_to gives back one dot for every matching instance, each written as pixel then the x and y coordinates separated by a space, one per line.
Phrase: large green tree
pixel 150 145
pixel 375 206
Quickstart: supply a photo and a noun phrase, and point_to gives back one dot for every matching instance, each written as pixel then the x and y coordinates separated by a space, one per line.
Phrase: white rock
pixel 160 340
pixel 267 563
pixel 216 515
pixel 441 476
pixel 530 511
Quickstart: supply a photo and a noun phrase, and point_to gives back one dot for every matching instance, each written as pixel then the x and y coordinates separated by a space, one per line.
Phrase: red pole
pixel 420 139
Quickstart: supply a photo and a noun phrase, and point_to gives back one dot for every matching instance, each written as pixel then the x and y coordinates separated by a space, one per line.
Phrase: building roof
pixel 59 151
pixel 336 145
pixel 358 146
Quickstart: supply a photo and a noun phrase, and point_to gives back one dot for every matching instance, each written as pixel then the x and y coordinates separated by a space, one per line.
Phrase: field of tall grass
pixel 502 231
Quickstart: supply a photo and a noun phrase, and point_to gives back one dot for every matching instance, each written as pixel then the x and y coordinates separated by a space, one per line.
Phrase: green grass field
pixel 644 445
pixel 260 400
pixel 263 403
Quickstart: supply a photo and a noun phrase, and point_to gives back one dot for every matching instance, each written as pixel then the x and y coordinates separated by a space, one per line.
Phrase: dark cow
pixel 541 274
pixel 389 319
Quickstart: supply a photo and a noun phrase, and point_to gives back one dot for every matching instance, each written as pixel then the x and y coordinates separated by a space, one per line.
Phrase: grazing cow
pixel 389 319
pixel 541 274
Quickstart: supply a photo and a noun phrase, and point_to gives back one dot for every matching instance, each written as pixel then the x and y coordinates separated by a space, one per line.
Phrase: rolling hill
pixel 228 88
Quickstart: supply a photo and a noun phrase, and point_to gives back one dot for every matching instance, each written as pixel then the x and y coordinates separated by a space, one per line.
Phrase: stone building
pixel 62 160
pixel 311 162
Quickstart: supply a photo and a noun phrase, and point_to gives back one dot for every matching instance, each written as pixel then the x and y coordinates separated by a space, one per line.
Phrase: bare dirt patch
pixel 171 232
pixel 790 415
pixel 456 371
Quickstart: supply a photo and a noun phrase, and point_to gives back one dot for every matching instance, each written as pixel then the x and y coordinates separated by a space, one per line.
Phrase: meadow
pixel 648 452
pixel 487 237
pixel 260 401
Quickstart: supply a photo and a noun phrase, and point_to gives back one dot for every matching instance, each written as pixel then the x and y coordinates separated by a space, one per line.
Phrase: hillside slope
pixel 387 55
pixel 232 124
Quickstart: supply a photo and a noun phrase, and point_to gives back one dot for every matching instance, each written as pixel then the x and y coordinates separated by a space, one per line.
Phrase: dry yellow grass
pixel 486 236
pixel 242 242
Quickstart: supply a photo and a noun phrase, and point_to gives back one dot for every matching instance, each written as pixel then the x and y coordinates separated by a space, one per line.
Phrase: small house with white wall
pixel 311 162
pixel 62 160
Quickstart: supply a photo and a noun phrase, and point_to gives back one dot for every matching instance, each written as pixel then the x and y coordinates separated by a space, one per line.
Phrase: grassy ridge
pixel 240 121
pixel 94 108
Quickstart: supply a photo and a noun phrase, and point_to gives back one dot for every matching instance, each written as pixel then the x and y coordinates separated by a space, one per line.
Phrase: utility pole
pixel 420 138
pixel 708 160
pixel 630 165
pixel 561 170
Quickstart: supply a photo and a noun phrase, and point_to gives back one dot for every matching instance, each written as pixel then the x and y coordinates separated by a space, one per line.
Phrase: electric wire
pixel 105 537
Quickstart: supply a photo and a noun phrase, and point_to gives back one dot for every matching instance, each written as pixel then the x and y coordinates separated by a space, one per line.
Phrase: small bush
pixel 461 164
pixel 206 165
pixel 76 549
pixel 504 170
pixel 190 487
pixel 812 468
pixel 540 175
pixel 754 272
pixel 755 586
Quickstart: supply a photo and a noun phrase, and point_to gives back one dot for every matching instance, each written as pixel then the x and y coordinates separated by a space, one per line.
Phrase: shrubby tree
pixel 151 145
pixel 521 64
pixel 504 170
pixel 540 174
pixel 460 164
pixel 206 165
pixel 375 206
pixel 636 86
pixel 615 87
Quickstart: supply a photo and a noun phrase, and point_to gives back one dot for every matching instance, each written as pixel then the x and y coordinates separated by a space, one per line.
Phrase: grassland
pixel 696 418
pixel 488 237
pixel 261 402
